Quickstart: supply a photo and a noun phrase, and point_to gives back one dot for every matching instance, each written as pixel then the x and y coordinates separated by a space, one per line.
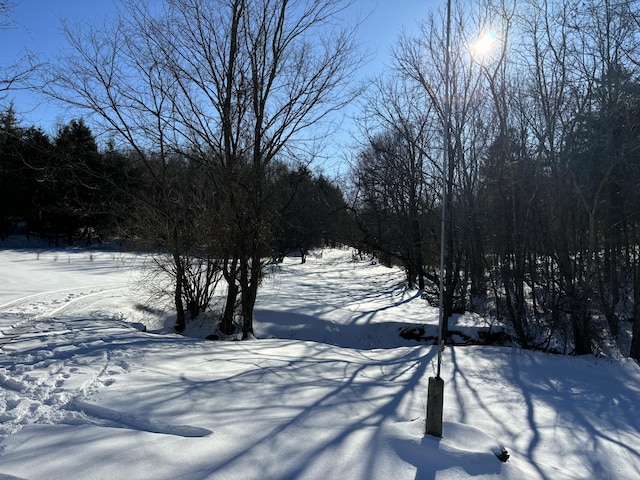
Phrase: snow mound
pixel 463 451
pixel 117 419
pixel 457 436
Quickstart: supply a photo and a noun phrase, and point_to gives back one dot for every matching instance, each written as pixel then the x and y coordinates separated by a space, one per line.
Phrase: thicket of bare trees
pixel 228 88
pixel 544 166
pixel 66 189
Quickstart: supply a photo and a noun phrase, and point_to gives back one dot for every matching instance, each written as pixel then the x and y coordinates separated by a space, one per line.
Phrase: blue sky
pixel 37 29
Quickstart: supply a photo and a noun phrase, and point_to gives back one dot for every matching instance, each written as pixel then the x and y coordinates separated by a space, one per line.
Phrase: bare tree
pixel 20 70
pixel 458 105
pixel 580 77
pixel 395 174
pixel 5 13
pixel 228 84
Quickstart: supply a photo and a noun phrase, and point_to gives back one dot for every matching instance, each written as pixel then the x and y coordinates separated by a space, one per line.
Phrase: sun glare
pixel 485 44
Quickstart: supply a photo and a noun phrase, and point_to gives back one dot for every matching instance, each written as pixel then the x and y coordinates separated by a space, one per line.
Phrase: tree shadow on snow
pixel 580 411
pixel 297 326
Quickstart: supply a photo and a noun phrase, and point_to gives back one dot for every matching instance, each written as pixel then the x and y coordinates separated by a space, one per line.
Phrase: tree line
pixel 216 95
pixel 67 190
pixel 542 188
pixel 209 104
pixel 42 190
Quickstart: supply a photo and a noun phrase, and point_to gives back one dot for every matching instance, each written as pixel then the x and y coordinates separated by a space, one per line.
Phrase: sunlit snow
pixel 327 390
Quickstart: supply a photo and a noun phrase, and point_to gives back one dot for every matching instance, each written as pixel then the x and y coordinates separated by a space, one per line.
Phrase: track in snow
pixel 40 376
pixel 20 315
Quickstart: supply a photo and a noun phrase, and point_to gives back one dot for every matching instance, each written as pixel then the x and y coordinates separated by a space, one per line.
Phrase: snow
pixel 326 390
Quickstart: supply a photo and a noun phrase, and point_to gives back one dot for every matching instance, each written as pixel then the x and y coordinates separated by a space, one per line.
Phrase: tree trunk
pixel 581 336
pixel 181 322
pixel 229 272
pixel 580 325
pixel 416 260
pixel 250 273
pixel 515 306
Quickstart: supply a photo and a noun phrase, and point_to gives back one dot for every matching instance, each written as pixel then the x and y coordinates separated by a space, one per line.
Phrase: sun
pixel 485 44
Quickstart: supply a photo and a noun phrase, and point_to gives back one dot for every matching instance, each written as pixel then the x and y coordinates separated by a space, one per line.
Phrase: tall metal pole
pixel 435 396
pixel 446 111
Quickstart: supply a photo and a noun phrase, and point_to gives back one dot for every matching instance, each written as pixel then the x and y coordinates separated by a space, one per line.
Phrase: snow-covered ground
pixel 328 390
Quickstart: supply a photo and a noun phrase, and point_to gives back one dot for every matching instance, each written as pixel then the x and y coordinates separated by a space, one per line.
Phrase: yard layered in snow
pixel 329 390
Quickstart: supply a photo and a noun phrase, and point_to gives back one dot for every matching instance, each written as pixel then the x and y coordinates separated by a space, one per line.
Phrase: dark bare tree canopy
pixel 229 86
pixel 541 109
